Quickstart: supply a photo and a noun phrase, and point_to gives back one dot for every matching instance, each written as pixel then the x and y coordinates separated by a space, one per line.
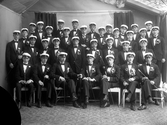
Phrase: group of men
pixel 79 60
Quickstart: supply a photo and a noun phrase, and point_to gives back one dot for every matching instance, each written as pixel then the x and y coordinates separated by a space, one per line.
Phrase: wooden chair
pixel 117 90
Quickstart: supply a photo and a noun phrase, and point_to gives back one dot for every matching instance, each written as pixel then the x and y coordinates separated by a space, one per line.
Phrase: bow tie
pixel 125 51
pixel 90 64
pixel 40 31
pixel 56 48
pixel 45 49
pixel 129 63
pixel 32 46
pixel 25 64
pixel 75 46
pixel 148 64
pixel 16 41
pixel 110 66
pixel 62 63
pixel 43 64
pixel 148 30
pixel 109 48
pixel 143 49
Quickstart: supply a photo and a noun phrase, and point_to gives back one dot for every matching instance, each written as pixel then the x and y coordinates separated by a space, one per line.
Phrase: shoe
pixel 151 101
pixel 84 105
pixel 157 103
pixel 107 104
pixel 76 105
pixel 19 105
pixel 39 105
pixel 29 104
pixel 87 100
pixel 132 107
pixel 74 97
pixel 142 107
pixel 127 99
pixel 48 104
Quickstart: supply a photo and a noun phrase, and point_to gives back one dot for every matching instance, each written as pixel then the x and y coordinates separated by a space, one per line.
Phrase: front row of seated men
pixel 129 75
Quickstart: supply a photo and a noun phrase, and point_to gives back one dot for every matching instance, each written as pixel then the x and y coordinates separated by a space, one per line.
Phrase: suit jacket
pixel 123 36
pixel 108 35
pixel 39 74
pixel 83 40
pixel 75 33
pixel 48 51
pixel 113 51
pixel 76 60
pixel 138 44
pixel 101 43
pixel 121 58
pixel 125 73
pixel 24 41
pixel 59 33
pixel 12 53
pixel 137 36
pixel 94 73
pixel 65 44
pixel 50 40
pixel 140 58
pixel 95 36
pixel 154 73
pixel 114 73
pixel 20 75
pixel 38 42
pixel 54 56
pixel 118 46
pixel 57 71
pixel 159 48
pixel 133 46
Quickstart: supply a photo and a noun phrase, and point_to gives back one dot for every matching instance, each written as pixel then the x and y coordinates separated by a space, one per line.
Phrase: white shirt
pixel 92 35
pixel 75 50
pixel 93 52
pixel 125 54
pixel 74 33
pixel 43 68
pixel 101 40
pixel 143 53
pixel 134 36
pixel 148 69
pixel 148 33
pixel 154 41
pixel 129 67
pixel 24 68
pixel 63 67
pixel 66 39
pixel 16 45
pixel 116 42
pixel 90 67
pixel 40 35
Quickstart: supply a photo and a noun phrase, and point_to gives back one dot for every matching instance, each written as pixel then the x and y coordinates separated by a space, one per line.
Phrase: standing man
pixel 130 78
pixel 123 30
pixel 109 31
pixel 24 78
pixel 117 40
pixel 24 37
pixel 63 75
pixel 59 32
pixel 135 29
pixel 150 80
pixel 149 25
pixel 49 35
pixel 14 51
pixel 32 29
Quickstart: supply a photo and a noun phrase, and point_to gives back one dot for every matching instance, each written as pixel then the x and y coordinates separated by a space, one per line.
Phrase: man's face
pixel 148 26
pixel 32 28
pixel 24 34
pixel 60 25
pixel 45 44
pixel 101 32
pixel 116 33
pixel 16 36
pixel 143 33
pixel 40 26
pixel 130 36
pixel 109 29
pixel 75 25
pixel 49 31
pixel 94 45
pixel 66 32
pixel 143 44
pixel 83 30
pixel 110 43
pixel 92 28
pixel 155 32
pixel 62 58
pixel 125 46
pixel 110 61
pixel 123 30
pixel 32 41
pixel 148 59
pixel 135 29
pixel 44 59
pixel 56 42
pixel 130 58
pixel 26 59
pixel 75 42
pixel 90 60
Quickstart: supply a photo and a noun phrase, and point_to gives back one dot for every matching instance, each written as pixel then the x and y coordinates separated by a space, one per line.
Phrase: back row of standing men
pixel 78 43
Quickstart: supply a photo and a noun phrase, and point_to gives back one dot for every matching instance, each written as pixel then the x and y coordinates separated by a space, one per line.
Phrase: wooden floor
pixel 93 115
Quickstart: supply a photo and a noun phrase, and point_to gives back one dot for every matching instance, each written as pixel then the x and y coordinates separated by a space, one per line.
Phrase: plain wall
pixel 9 21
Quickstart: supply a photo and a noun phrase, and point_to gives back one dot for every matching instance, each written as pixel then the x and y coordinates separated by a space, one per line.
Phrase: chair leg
pixel 34 96
pixel 140 98
pixel 119 98
pixel 14 94
pixel 162 98
pixel 123 98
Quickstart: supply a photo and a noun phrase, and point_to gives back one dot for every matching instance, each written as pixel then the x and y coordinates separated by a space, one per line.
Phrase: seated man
pixel 63 75
pixel 130 78
pixel 150 80
pixel 91 77
pixel 24 76
pixel 42 79
pixel 110 78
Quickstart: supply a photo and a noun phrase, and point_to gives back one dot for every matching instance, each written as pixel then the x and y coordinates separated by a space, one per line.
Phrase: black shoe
pixel 48 104
pixel 157 103
pixel 84 105
pixel 142 107
pixel 107 104
pixel 132 107
pixel 87 100
pixel 76 105
pixel 74 97
pixel 151 101
pixel 19 105
pixel 29 104
pixel 39 105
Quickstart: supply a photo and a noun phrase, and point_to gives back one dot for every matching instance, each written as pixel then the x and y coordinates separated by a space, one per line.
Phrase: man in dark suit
pixel 56 50
pixel 133 44
pixel 91 77
pixel 14 51
pixel 65 40
pixel 42 79
pixel 117 40
pixel 32 29
pixel 24 77
pixel 123 30
pixel 122 54
pixel 76 55
pixel 63 75
pixel 102 38
pixel 140 55
pixel 150 80
pixel 149 25
pixel 130 78
pixel 48 35
pixel 92 34
pixel 59 32
pixel 40 34
pixel 32 50
pixel 83 41
pixel 108 50
pixel 109 31
pixel 24 37
pixel 75 31
pixel 110 78
pixel 157 44
pixel 135 29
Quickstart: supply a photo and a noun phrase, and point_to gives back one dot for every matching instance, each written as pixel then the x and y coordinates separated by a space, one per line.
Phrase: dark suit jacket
pixel 34 55
pixel 114 74
pixel 94 73
pixel 133 46
pixel 48 51
pixel 119 46
pixel 65 44
pixel 78 33
pixel 20 75
pixel 38 74
pixel 56 72
pixel 76 61
pixel 38 42
pixel 125 75
pixel 59 33
pixel 159 48
pixel 140 59
pixel 95 36
pixel 12 53
pixel 54 56
pixel 121 59
pixel 50 40
pixel 153 75
pixel 138 44
pixel 24 41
